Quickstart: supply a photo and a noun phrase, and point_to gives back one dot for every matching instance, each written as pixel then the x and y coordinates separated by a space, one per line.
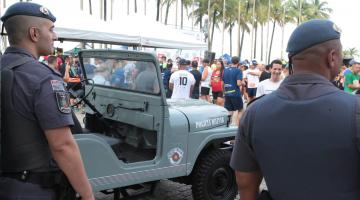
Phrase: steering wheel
pixel 79 94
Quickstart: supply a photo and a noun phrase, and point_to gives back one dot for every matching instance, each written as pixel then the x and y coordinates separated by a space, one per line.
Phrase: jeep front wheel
pixel 213 179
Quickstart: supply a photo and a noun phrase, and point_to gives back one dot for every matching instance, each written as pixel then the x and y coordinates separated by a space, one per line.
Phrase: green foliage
pixel 282 12
pixel 351 53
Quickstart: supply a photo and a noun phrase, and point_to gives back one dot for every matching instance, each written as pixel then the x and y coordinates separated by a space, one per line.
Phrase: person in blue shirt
pixel 232 79
pixel 166 78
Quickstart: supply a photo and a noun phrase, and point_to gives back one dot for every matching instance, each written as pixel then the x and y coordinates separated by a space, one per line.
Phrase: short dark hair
pixel 194 64
pixel 169 65
pixel 275 62
pixel 205 60
pixel 16 29
pixel 267 67
pixel 235 60
pixel 52 59
pixel 59 50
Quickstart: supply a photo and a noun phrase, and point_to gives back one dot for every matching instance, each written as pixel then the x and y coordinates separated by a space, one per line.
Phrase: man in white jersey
pixel 269 85
pixel 252 79
pixel 182 81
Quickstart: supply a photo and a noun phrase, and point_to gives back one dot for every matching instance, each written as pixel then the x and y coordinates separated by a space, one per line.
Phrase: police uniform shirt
pixel 38 91
pixel 295 87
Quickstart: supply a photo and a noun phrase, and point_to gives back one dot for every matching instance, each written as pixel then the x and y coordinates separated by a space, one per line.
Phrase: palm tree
pixel 90 7
pixel 231 18
pixel 128 7
pixel 199 12
pixel 105 9
pixel 184 4
pixel 318 9
pixel 351 53
pixel 157 9
pixel 261 19
pixel 168 4
pixel 276 16
pixel 244 19
pixel 288 16
pixel 215 11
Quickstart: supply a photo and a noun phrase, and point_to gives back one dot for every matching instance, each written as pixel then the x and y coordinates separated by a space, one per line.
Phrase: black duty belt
pixel 44 179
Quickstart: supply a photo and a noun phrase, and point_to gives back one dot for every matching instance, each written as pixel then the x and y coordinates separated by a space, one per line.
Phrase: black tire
pixel 213 178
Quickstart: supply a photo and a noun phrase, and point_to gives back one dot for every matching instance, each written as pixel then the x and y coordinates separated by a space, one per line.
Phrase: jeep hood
pixel 201 115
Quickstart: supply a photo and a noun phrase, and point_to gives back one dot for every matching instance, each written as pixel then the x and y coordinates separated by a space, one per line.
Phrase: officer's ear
pixel 34 34
pixel 332 59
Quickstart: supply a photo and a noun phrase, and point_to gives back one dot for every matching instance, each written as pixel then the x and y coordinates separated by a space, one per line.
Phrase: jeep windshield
pixel 138 76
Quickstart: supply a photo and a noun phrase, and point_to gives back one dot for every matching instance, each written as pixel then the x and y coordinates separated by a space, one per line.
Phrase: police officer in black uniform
pixel 304 137
pixel 35 138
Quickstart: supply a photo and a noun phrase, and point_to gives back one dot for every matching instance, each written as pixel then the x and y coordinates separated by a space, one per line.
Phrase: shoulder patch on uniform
pixel 63 101
pixel 57 85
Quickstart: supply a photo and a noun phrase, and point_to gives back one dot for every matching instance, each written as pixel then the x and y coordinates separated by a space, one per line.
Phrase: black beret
pixel 28 9
pixel 311 33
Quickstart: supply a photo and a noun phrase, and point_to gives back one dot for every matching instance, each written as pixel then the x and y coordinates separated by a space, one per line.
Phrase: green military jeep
pixel 135 136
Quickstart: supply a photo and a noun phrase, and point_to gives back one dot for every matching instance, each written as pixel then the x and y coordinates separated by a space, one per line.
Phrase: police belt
pixel 44 179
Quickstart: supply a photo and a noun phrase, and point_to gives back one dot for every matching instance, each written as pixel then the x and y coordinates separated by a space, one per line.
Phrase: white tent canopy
pixel 130 30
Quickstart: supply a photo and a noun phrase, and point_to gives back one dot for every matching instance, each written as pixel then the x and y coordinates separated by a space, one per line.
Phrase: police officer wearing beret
pixel 304 137
pixel 35 112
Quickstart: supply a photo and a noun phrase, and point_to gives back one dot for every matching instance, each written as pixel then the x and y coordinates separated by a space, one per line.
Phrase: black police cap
pixel 28 9
pixel 311 33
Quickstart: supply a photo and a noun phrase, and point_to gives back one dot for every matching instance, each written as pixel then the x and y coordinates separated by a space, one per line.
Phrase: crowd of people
pixel 225 81
pixel 230 82
pixel 302 136
pixel 348 78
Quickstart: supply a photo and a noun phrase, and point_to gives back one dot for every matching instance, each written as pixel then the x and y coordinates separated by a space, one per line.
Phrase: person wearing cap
pixel 182 81
pixel 351 84
pixel 35 112
pixel 251 77
pixel 306 143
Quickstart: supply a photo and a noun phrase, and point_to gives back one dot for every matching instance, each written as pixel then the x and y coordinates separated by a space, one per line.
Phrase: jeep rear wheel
pixel 213 179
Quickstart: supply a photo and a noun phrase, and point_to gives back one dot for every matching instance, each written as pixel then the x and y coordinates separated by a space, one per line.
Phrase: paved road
pixel 166 190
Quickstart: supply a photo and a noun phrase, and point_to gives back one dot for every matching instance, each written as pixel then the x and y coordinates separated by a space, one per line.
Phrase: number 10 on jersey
pixel 183 80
